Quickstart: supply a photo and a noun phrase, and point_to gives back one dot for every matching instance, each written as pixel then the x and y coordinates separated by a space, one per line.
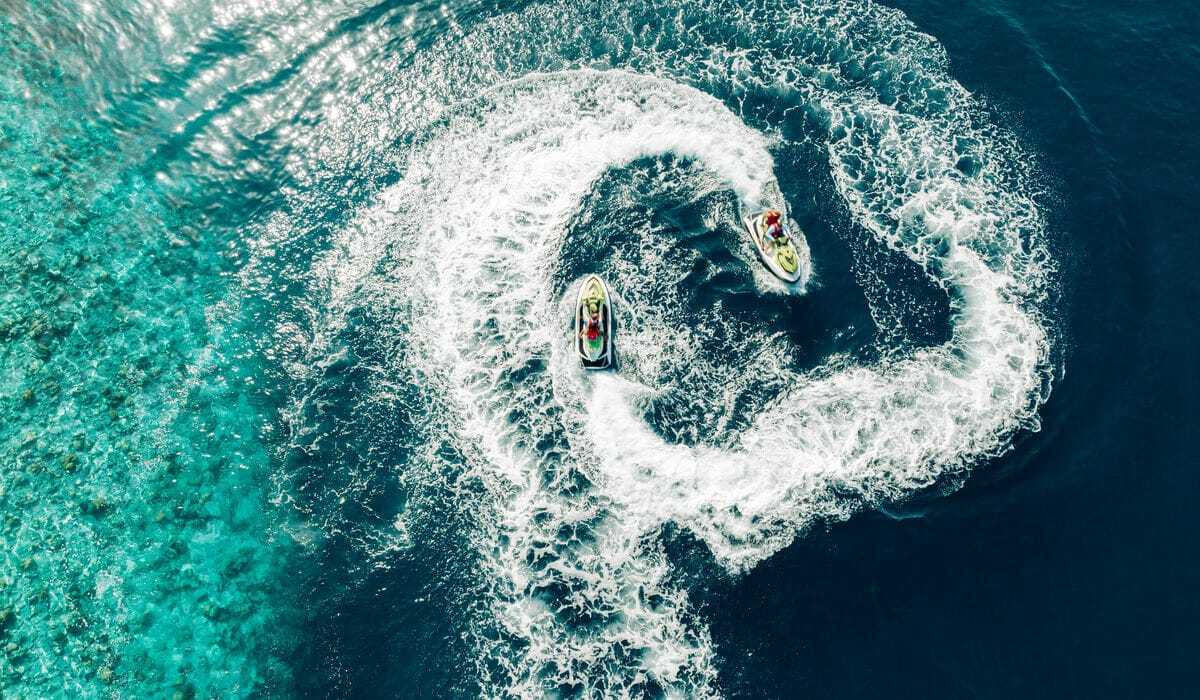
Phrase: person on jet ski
pixel 592 328
pixel 774 229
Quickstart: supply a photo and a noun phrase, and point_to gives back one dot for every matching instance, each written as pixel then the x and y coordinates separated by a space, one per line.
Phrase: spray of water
pixel 572 482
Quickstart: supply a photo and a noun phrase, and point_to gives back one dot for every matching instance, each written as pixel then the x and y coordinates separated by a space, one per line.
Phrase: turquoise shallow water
pixel 140 549
pixel 287 409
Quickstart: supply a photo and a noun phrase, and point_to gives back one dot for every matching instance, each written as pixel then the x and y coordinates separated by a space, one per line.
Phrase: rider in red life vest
pixel 592 328
pixel 774 229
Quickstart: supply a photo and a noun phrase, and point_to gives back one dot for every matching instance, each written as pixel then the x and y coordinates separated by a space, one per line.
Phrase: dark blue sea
pixel 290 404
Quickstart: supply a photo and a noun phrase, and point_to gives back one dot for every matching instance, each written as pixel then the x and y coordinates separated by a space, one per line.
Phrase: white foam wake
pixel 576 483
pixel 523 158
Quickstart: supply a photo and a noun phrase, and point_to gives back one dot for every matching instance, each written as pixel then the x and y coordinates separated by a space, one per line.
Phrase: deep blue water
pixel 1066 568
pixel 287 407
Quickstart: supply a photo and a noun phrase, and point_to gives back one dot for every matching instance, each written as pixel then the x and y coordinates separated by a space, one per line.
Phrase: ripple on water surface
pixel 232 243
pixel 138 551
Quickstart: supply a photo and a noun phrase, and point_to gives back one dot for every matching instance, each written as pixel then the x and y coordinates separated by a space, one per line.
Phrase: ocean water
pixel 287 400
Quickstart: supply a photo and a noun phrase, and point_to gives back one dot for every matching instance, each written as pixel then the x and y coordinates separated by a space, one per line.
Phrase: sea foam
pixel 571 484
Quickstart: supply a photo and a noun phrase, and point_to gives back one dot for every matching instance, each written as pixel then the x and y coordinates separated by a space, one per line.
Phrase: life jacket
pixel 593 328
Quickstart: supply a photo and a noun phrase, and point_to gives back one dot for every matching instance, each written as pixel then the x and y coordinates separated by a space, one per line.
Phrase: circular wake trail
pixel 572 480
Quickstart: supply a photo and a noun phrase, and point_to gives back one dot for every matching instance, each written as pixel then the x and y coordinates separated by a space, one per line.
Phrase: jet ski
pixel 595 344
pixel 780 257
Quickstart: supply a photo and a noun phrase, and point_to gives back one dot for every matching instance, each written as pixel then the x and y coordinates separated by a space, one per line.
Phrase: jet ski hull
pixel 773 259
pixel 594 355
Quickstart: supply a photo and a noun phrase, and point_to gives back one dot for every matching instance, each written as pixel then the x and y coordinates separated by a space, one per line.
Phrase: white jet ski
pixel 595 343
pixel 780 257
